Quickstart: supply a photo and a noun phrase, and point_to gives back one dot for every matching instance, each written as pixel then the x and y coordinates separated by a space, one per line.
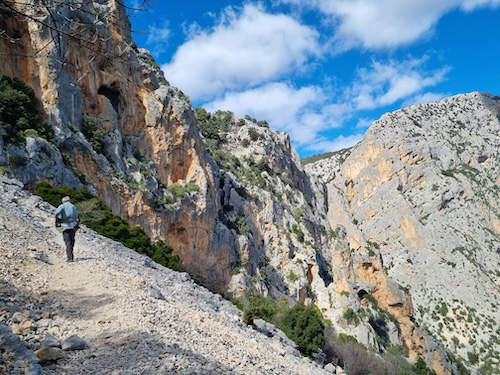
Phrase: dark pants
pixel 69 240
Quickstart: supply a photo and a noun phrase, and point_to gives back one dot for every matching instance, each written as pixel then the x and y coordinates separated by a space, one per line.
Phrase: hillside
pixel 136 316
pixel 423 188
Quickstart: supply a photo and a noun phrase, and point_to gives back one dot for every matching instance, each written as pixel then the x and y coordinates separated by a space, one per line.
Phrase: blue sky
pixel 322 70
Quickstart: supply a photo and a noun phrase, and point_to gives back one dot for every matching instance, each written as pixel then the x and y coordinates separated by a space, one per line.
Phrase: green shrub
pixel 241 226
pixel 245 142
pixel 214 127
pixel 350 316
pixel 298 213
pixel 292 277
pixel 298 233
pixel 94 135
pixel 97 216
pixel 238 302
pixel 304 325
pixel 473 358
pixel 420 368
pixel 192 188
pixel 259 307
pixel 31 133
pixel 20 111
pixel 253 134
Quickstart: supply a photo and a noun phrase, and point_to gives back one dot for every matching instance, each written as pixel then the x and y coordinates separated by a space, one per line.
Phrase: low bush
pixel 214 127
pixel 97 216
pixel 94 135
pixel 20 112
pixel 298 233
pixel 253 134
pixel 304 325
pixel 259 307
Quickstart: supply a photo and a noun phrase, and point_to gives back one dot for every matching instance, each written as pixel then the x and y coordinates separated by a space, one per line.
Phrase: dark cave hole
pixel 362 293
pixel 113 96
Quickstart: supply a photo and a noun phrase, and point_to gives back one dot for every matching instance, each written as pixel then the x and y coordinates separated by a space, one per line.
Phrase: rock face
pixel 423 189
pixel 395 240
pixel 147 139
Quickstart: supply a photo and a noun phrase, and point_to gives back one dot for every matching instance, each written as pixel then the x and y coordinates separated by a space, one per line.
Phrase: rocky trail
pixel 134 316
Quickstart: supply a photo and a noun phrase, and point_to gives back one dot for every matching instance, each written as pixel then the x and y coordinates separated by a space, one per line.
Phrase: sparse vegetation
pixel 298 233
pixel 94 134
pixel 214 127
pixel 302 324
pixel 97 216
pixel 292 277
pixel 175 192
pixel 20 114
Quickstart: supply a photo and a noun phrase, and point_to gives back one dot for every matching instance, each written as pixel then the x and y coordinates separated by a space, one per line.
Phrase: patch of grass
pixel 292 277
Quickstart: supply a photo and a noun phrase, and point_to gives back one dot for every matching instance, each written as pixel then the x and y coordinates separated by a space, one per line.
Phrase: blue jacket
pixel 68 214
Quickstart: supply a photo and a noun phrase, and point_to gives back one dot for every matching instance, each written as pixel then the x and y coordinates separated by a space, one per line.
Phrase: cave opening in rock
pixel 362 294
pixel 113 96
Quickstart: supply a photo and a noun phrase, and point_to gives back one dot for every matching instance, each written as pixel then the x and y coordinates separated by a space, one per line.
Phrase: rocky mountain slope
pixel 361 234
pixel 136 316
pixel 423 188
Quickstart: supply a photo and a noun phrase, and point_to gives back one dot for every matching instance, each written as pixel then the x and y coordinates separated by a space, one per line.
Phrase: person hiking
pixel 67 215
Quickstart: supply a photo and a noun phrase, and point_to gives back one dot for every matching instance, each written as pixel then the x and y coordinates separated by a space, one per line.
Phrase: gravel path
pixel 136 316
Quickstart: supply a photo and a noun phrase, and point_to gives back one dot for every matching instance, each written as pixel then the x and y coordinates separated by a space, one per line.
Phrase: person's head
pixel 65 199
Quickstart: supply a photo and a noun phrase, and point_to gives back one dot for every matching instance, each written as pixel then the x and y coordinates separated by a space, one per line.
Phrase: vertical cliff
pixel 423 188
pixel 119 126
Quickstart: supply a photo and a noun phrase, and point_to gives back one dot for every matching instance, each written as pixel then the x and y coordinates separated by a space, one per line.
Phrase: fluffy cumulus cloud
pixel 243 49
pixel 385 23
pixel 307 112
pixel 303 112
pixel 244 64
pixel 383 84
pixel 277 102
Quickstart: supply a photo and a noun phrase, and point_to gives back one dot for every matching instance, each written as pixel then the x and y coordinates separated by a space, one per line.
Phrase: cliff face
pixel 360 234
pixel 148 139
pixel 423 187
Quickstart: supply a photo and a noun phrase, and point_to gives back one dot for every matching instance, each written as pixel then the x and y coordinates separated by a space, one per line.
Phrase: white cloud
pixel 385 83
pixel 325 145
pixel 427 97
pixel 385 23
pixel 306 112
pixel 158 37
pixel 472 4
pixel 283 106
pixel 243 50
pixel 363 123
